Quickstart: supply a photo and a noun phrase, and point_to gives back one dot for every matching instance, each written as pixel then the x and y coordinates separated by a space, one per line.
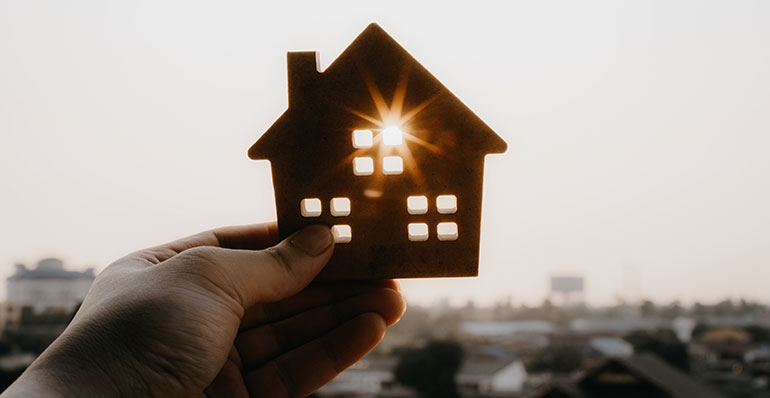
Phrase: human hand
pixel 220 313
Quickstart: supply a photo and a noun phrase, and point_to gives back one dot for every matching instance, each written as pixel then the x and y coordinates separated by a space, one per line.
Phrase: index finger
pixel 245 237
pixel 317 294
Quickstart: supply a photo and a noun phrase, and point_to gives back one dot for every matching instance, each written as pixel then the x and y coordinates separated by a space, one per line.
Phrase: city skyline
pixel 637 133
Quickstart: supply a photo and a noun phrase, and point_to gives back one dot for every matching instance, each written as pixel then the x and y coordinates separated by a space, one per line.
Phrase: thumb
pixel 267 275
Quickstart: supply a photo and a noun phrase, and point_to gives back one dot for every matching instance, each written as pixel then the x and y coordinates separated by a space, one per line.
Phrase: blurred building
pixel 529 333
pixel 611 346
pixel 48 286
pixel 638 376
pixel 490 371
pixel 485 372
pixel 616 326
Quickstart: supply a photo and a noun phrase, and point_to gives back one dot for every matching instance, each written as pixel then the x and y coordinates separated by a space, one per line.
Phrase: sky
pixel 638 132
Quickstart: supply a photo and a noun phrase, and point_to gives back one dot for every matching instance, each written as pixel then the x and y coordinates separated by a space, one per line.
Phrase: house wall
pixel 380 246
pixel 510 378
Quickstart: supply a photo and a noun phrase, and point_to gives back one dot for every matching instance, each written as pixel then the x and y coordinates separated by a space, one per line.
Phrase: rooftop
pixel 49 268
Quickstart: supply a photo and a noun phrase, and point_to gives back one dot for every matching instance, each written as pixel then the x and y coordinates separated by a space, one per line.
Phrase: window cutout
pixel 446 231
pixel 446 204
pixel 392 165
pixel 417 204
pixel 342 233
pixel 418 232
pixel 363 166
pixel 362 139
pixel 340 207
pixel 392 136
pixel 310 207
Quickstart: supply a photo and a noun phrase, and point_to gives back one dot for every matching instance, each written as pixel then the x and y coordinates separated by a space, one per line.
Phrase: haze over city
pixel 637 133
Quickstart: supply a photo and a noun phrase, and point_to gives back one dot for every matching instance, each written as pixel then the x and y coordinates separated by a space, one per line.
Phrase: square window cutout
pixel 392 165
pixel 392 136
pixel 340 207
pixel 362 139
pixel 417 204
pixel 418 232
pixel 446 204
pixel 310 207
pixel 363 166
pixel 446 231
pixel 342 233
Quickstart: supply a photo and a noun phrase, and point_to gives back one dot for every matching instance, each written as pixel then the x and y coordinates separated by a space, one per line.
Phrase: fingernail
pixel 313 240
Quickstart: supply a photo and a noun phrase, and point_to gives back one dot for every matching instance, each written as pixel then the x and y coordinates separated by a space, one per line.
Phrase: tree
pixel 556 358
pixel 648 309
pixel 758 334
pixel 699 330
pixel 724 308
pixel 431 370
pixel 663 343
pixel 672 310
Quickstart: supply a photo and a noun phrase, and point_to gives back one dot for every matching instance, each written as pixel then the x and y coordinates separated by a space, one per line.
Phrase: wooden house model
pixel 377 148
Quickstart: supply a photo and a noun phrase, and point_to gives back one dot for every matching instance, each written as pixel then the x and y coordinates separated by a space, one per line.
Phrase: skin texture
pixel 225 313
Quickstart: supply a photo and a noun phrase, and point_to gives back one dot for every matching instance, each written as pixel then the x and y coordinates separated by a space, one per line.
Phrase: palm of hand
pixel 180 320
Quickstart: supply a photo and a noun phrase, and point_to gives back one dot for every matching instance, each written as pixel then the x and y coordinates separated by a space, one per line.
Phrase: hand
pixel 220 313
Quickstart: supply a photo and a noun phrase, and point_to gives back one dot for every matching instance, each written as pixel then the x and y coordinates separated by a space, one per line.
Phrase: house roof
pixel 49 268
pixel 645 366
pixel 378 54
pixel 665 376
pixel 475 365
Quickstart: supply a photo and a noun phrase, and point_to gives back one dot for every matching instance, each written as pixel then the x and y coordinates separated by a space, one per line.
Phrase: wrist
pixel 67 368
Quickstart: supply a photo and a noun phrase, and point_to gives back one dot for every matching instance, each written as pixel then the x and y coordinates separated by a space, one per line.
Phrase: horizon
pixel 637 134
pixel 447 301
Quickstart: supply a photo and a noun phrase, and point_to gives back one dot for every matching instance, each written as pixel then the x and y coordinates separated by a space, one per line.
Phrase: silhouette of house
pixel 376 147
pixel 640 376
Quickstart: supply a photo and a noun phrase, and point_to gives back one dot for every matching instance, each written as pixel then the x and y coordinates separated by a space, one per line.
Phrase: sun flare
pixel 392 136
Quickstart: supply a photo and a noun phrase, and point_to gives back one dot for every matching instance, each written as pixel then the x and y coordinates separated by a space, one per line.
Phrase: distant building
pixel 615 326
pixel 532 333
pixel 721 344
pixel 683 327
pixel 491 373
pixel 368 377
pixel 507 328
pixel 48 286
pixel 639 376
pixel 483 373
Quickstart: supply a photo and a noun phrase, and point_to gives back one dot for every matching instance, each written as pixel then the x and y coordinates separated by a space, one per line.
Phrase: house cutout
pixel 378 149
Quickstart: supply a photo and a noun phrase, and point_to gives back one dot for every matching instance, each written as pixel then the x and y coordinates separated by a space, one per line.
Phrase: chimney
pixel 303 74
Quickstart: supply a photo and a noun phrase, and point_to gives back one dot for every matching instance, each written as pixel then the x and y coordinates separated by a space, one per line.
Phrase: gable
pixel 643 374
pixel 374 82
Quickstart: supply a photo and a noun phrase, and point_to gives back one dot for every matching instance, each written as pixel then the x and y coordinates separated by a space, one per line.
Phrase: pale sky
pixel 638 133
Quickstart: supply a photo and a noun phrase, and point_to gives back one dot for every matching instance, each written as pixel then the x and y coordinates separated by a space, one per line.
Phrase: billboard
pixel 566 284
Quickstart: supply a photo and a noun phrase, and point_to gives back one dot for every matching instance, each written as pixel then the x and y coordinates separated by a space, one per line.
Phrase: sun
pixel 392 136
